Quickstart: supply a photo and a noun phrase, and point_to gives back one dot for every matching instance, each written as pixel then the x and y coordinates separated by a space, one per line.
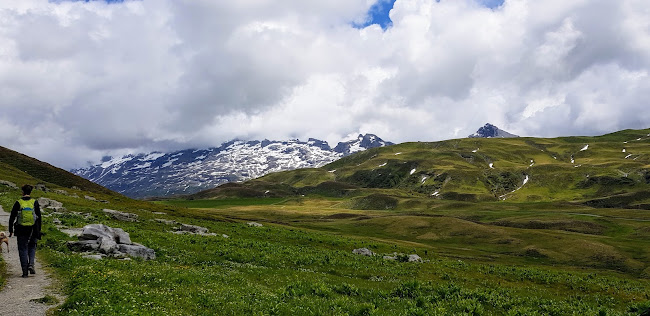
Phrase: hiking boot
pixel 31 270
pixel 25 274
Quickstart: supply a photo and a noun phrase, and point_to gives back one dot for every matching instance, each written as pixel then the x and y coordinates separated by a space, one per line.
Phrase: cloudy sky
pixel 83 79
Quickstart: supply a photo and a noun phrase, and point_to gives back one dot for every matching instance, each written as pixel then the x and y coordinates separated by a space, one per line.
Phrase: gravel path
pixel 15 298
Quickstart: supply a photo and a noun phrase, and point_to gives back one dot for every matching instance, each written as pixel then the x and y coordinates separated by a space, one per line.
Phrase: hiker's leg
pixel 31 251
pixel 23 252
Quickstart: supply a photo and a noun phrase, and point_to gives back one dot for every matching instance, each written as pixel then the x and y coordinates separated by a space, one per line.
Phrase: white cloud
pixel 88 79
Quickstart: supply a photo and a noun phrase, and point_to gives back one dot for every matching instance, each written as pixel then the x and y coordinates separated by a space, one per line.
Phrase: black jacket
pixel 20 230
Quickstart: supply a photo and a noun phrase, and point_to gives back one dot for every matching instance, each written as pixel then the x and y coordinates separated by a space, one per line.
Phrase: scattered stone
pixel 254 224
pixel 194 229
pixel 41 187
pixel 414 258
pixel 109 241
pixel 49 203
pixel 62 192
pixel 9 184
pixel 225 236
pixel 166 221
pixel 363 252
pixel 121 216
pixel 159 213
pixel 57 221
pixel 403 258
pixel 103 201
pixel 89 198
pixel 93 257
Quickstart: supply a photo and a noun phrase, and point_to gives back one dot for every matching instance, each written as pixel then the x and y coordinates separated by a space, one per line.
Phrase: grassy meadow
pixel 571 241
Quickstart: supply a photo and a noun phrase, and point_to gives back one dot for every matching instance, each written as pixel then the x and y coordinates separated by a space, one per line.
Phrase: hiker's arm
pixel 12 217
pixel 37 211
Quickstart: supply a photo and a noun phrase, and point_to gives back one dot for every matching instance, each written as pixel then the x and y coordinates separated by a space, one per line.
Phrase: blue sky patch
pixel 379 12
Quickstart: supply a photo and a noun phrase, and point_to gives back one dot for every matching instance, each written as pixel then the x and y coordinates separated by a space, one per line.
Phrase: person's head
pixel 27 189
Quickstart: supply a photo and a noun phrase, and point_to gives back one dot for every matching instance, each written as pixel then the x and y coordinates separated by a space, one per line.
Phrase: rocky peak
pixel 491 131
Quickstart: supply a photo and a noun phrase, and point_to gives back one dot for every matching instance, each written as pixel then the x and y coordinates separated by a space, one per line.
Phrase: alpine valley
pixel 193 170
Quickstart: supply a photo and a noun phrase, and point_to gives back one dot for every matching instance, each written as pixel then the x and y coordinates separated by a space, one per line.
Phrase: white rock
pixel 414 258
pixel 363 252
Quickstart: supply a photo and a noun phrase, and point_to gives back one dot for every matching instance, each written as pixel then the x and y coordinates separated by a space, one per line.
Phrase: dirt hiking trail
pixel 17 295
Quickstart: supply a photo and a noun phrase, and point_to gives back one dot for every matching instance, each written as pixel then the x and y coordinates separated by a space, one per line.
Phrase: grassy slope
pixel 460 170
pixel 21 169
pixel 490 258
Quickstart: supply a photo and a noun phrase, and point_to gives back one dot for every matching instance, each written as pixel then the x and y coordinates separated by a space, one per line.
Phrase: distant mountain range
pixel 189 171
pixel 491 131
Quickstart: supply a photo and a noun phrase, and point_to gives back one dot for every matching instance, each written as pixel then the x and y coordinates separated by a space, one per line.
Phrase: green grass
pixel 221 203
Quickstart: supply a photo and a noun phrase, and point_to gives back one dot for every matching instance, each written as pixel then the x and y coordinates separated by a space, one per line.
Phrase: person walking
pixel 25 222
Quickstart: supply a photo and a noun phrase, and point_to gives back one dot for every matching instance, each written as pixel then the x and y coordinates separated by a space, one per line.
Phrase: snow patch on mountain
pixel 193 170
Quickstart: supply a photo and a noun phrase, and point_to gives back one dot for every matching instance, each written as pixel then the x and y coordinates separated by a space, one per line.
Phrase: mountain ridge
pixel 192 170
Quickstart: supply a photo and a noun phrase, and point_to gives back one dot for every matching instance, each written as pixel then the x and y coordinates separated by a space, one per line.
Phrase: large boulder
pixel 107 246
pixel 109 241
pixel 83 245
pixel 96 231
pixel 121 216
pixel 101 231
pixel 137 250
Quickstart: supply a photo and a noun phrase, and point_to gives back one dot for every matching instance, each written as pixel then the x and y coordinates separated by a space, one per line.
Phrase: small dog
pixel 4 239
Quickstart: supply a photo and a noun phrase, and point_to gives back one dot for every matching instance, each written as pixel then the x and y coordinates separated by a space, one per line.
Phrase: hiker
pixel 27 216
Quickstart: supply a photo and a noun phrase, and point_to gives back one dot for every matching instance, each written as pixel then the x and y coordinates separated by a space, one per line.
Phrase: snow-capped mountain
pixel 491 131
pixel 190 171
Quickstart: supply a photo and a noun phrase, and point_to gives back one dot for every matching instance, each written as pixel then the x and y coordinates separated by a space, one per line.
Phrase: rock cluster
pixel 109 241
pixel 403 257
pixel 121 216
pixel 395 256
pixel 51 204
pixel 9 184
pixel 254 224
pixel 193 229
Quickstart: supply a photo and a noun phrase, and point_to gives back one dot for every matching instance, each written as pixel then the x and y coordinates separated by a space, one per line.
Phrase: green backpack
pixel 26 216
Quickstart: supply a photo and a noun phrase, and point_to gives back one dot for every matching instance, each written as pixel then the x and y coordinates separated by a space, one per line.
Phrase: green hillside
pixel 23 169
pixel 481 255
pixel 606 171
